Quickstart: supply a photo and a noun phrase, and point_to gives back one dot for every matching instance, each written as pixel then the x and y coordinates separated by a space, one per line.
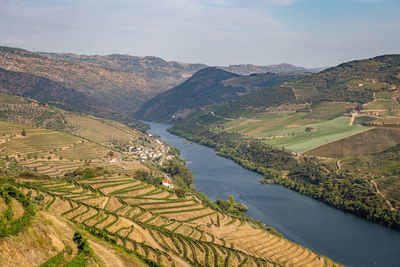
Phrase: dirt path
pixel 338 166
pixel 220 117
pixel 107 256
pixel 380 194
pixel 352 120
pixel 325 169
pixel 291 87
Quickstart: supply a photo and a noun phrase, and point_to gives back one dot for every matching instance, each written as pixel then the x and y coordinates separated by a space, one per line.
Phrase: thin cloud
pixel 215 32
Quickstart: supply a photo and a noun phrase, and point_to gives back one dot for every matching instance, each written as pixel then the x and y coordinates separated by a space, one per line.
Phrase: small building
pixel 167 184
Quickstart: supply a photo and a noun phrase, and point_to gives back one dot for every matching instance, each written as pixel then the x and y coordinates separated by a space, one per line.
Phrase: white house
pixel 167 184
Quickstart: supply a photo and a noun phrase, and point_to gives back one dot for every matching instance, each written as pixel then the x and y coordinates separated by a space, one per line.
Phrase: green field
pixel 329 110
pixel 297 131
pixel 322 133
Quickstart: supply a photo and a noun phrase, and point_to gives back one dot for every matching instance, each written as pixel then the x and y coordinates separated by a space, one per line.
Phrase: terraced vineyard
pixel 54 153
pixel 152 221
pixel 16 211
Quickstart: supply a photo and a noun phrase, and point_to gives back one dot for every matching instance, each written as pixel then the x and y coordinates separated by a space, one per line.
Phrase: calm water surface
pixel 341 236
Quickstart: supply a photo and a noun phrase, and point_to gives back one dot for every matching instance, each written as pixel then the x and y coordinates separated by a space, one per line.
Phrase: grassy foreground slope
pixel 31 236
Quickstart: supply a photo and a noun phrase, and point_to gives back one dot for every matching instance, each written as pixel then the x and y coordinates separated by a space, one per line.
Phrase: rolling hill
pixel 323 135
pixel 208 86
pixel 301 110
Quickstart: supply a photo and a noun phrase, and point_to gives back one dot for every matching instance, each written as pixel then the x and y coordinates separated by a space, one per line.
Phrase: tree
pixel 23 132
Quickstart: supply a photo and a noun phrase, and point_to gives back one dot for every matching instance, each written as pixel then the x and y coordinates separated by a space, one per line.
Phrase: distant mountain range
pixel 112 86
pixel 170 73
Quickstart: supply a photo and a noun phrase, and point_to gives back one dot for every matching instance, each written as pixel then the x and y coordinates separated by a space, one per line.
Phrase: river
pixel 341 236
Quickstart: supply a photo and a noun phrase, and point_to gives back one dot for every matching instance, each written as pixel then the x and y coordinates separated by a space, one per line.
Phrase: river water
pixel 343 237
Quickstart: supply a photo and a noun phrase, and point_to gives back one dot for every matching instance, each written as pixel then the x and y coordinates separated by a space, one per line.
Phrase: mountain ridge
pixel 211 85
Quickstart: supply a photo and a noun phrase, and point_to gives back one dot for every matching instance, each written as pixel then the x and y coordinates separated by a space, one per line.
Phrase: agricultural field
pixel 320 134
pixel 383 104
pixel 294 127
pixel 152 221
pixel 295 131
pixel 16 211
pixel 55 153
pixel 30 112
pixel 100 130
pixel 329 110
pixel 373 140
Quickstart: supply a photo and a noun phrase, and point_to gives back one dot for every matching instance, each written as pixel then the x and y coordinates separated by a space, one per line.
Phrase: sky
pixel 309 33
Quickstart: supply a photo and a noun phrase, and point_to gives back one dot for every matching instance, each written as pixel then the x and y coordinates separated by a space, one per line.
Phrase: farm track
pixel 381 195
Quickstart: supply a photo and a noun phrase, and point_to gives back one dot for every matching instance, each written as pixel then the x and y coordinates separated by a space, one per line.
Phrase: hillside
pixel 166 74
pixel 208 86
pixel 119 84
pixel 69 141
pixel 323 135
pixel 305 113
pixel 128 222
pixel 45 90
pixel 116 91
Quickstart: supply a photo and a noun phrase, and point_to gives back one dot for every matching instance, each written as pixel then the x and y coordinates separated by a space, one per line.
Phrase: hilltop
pixel 169 74
pixel 207 86
pixel 165 74
pixel 247 69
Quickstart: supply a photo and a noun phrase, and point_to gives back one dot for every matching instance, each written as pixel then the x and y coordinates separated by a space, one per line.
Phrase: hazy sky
pixel 309 33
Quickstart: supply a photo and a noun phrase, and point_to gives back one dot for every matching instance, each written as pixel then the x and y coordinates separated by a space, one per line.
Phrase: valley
pixel 204 133
pixel 99 177
pixel 332 136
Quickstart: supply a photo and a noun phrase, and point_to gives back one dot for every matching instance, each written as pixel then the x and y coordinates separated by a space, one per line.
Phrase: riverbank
pixel 304 175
